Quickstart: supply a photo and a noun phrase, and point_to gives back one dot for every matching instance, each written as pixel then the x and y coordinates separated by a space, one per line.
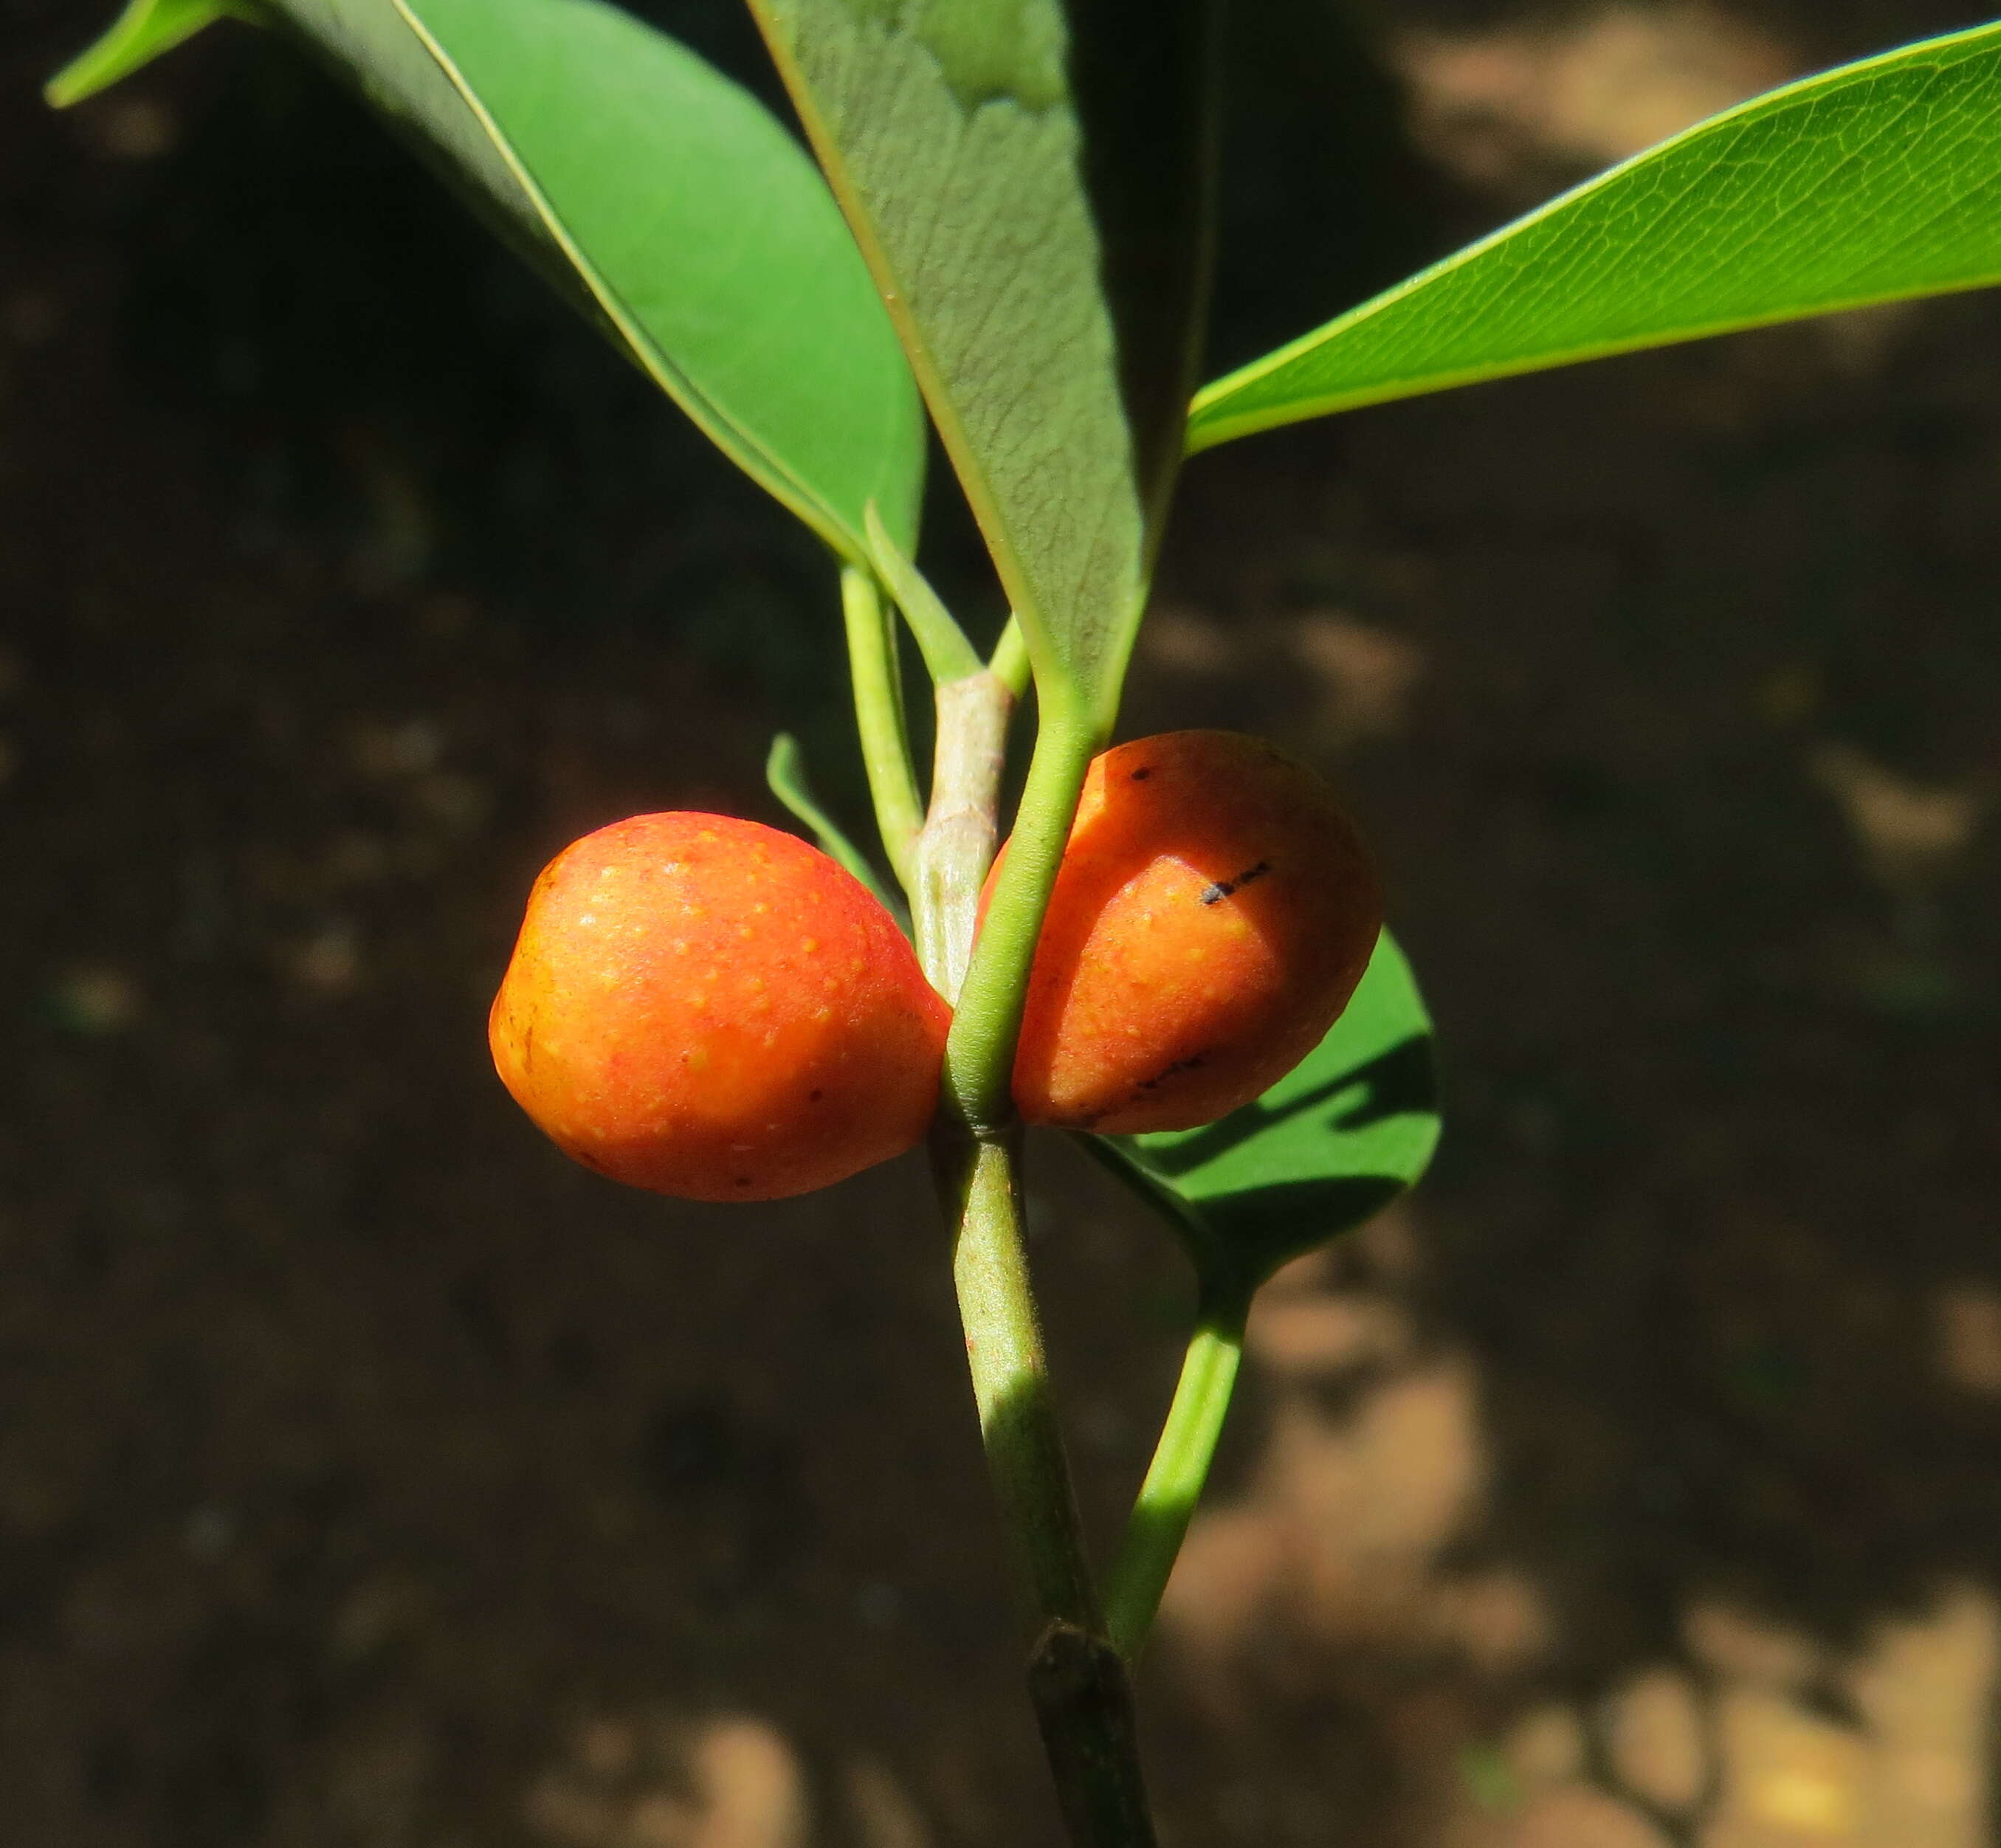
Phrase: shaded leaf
pixel 1029 182
pixel 1331 1143
pixel 1874 182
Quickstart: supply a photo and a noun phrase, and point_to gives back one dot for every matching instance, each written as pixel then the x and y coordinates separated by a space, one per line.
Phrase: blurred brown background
pixel 371 1478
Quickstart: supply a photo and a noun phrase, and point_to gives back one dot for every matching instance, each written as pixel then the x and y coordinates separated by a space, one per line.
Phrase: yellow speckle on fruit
pixel 808 945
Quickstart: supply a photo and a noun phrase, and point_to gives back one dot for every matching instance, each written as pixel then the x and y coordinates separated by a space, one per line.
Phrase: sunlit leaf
pixel 709 241
pixel 1872 182
pixel 1048 299
pixel 662 198
pixel 1332 1143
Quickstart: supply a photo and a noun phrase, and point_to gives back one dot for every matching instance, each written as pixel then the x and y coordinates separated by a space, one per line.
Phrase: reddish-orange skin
pixel 709 1008
pixel 1214 912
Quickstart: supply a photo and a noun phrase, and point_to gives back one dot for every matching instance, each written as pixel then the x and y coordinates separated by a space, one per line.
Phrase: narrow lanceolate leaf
pixel 1335 1140
pixel 1027 179
pixel 664 200
pixel 1873 182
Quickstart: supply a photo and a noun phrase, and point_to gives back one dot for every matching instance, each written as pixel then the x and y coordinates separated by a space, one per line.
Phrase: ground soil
pixel 370 1476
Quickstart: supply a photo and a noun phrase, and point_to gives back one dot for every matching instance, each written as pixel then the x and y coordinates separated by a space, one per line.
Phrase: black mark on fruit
pixel 1191 1062
pixel 1223 888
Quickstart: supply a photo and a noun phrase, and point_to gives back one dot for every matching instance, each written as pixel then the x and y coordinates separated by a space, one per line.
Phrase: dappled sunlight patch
pixel 1909 833
pixel 730 1781
pixel 1337 1568
pixel 1969 1338
pixel 1342 1539
pixel 1769 1742
pixel 1365 674
pixel 1501 107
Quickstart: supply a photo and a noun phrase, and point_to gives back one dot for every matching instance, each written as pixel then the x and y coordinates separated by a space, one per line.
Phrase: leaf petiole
pixel 1168 1498
pixel 1010 664
pixel 980 1055
pixel 879 716
pixel 947 654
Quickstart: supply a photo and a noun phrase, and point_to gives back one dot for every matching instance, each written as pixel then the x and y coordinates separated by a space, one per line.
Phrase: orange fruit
pixel 1214 911
pixel 710 1009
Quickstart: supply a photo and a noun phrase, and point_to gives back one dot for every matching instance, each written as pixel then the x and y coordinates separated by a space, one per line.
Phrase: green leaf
pixel 708 239
pixel 662 200
pixel 143 32
pixel 1332 1143
pixel 1029 182
pixel 1875 182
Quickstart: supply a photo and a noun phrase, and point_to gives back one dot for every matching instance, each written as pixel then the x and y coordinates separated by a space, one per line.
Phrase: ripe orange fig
pixel 710 1009
pixel 1214 912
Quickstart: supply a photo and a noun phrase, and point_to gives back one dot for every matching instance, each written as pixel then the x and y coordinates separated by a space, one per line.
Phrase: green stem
pixel 1082 1694
pixel 1168 1498
pixel 980 1055
pixel 879 715
pixel 979 1178
pixel 976 1166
